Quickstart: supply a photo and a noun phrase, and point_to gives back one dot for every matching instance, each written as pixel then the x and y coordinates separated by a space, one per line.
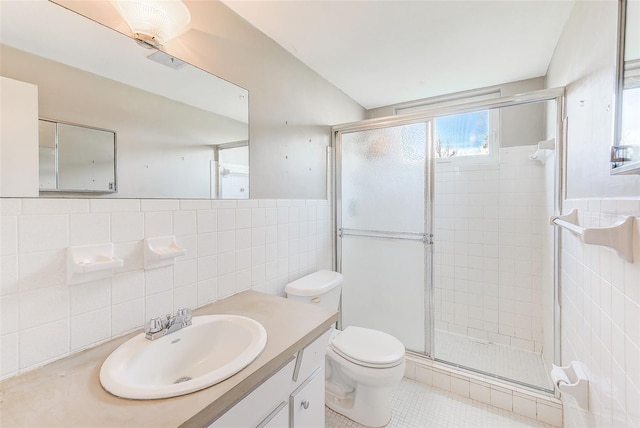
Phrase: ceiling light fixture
pixel 154 22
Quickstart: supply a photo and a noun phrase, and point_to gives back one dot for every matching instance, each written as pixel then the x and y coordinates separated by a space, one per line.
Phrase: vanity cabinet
pixel 292 397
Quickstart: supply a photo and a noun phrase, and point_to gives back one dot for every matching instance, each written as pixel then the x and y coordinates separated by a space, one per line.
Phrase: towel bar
pixel 619 237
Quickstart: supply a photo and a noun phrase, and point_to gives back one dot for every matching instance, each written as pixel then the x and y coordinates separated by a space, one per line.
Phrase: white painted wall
pixel 600 291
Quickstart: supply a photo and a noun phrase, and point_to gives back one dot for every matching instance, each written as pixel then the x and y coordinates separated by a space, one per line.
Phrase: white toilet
pixel 363 366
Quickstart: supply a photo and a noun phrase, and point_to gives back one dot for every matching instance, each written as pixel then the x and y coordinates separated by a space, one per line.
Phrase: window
pixel 466 134
pixel 465 137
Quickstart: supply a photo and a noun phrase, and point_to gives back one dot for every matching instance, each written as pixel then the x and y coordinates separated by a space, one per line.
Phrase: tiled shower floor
pixel 415 405
pixel 501 360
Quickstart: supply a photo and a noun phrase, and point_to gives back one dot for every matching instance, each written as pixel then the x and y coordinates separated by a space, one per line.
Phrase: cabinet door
pixel 310 358
pixel 306 403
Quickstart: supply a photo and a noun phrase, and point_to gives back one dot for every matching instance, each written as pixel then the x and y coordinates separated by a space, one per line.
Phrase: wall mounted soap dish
pixel 542 150
pixel 161 251
pixel 91 262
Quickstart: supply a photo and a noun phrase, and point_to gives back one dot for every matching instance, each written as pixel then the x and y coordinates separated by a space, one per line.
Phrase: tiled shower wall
pixel 231 246
pixel 600 300
pixel 489 225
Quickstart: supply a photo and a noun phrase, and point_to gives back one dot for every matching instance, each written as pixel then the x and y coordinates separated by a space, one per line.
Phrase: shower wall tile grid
pixel 600 299
pixel 231 246
pixel 521 401
pixel 489 226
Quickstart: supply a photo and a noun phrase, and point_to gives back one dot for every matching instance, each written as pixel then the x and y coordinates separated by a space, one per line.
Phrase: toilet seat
pixel 368 348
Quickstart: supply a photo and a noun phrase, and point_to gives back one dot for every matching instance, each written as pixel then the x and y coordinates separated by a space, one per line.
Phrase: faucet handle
pixel 154 325
pixel 185 314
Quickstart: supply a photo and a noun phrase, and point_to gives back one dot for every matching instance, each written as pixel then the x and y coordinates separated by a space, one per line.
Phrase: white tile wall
pixel 601 317
pixel 489 225
pixel 231 246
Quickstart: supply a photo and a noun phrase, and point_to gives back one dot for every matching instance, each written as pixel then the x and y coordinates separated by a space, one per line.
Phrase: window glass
pixel 466 137
pixel 466 134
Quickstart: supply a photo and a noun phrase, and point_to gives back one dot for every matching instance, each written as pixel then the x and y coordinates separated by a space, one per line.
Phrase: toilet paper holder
pixel 573 380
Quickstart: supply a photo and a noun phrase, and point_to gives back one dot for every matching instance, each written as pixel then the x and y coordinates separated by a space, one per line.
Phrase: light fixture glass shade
pixel 154 21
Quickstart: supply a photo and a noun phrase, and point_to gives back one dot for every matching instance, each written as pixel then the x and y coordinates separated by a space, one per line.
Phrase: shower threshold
pixel 524 368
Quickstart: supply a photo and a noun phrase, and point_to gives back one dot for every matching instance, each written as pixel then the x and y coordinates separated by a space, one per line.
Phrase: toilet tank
pixel 319 288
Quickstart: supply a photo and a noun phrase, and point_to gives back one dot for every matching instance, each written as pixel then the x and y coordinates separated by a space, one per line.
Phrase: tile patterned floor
pixel 511 363
pixel 416 405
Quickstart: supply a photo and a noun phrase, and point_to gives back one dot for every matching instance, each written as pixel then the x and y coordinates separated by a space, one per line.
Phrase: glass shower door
pixel 384 238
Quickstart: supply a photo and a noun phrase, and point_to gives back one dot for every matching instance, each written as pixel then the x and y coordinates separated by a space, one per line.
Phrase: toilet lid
pixel 314 284
pixel 371 347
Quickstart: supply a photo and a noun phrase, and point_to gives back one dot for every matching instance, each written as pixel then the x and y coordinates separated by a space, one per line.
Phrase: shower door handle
pixel 426 238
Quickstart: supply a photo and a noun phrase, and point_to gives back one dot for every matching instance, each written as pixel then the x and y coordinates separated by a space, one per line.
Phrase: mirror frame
pixel 61 190
pixel 634 166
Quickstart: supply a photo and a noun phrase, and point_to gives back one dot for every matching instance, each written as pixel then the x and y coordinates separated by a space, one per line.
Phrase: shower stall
pixel 443 236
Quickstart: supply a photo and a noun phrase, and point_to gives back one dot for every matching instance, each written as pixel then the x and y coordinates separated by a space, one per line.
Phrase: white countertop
pixel 68 392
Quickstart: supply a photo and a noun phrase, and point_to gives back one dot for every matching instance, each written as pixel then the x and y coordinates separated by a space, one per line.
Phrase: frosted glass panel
pixel 384 288
pixel 383 174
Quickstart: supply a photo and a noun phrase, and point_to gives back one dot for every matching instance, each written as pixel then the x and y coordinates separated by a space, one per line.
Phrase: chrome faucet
pixel 158 327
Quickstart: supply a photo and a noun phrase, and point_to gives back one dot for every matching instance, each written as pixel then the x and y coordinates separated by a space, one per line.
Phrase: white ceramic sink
pixel 209 351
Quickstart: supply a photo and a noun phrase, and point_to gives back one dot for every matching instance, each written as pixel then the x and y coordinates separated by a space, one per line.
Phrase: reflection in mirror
pixel 47 155
pixel 233 170
pixel 169 116
pixel 75 158
pixel 625 153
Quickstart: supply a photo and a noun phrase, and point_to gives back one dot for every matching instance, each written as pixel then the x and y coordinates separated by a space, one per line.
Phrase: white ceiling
pixel 386 52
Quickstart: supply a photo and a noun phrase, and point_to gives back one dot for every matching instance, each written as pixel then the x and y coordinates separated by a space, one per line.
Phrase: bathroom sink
pixel 212 349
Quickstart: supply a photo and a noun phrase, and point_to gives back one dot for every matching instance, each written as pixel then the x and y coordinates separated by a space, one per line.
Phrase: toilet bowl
pixel 363 366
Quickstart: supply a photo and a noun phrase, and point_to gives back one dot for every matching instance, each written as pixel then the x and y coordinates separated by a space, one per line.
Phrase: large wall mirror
pixel 625 153
pixel 181 132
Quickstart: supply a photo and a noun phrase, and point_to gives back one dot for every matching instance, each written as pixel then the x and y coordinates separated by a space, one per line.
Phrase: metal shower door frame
pixel 426 237
pixel 429 115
